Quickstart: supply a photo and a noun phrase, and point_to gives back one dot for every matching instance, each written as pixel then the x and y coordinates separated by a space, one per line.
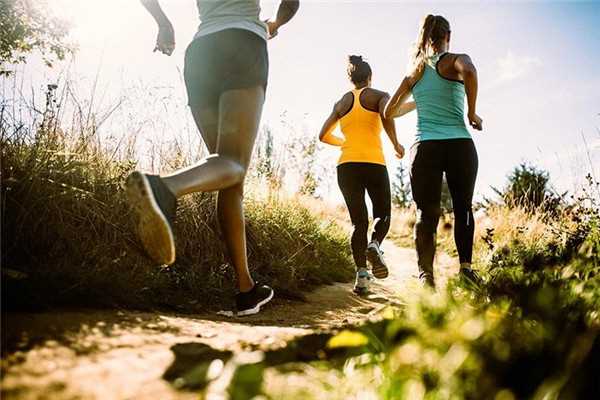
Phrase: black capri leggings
pixel 429 160
pixel 354 179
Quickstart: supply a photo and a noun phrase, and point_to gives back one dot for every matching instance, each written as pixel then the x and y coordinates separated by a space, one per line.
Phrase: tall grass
pixel 532 330
pixel 68 236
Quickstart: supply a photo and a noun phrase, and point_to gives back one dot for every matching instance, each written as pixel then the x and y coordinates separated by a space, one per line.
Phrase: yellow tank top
pixel 362 132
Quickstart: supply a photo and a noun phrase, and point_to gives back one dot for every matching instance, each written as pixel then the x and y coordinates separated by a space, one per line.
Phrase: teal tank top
pixel 218 15
pixel 440 105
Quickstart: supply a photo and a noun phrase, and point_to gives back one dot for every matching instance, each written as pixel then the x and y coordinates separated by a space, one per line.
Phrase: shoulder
pixel 460 58
pixel 344 104
pixel 376 93
pixel 373 98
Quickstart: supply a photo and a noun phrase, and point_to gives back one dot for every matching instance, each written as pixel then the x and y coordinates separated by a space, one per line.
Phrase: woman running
pixel 361 166
pixel 226 68
pixel 438 84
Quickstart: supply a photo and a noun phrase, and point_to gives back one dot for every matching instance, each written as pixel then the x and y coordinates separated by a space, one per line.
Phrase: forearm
pixel 287 10
pixel 392 109
pixel 405 108
pixel 333 140
pixel 156 11
pixel 327 136
pixel 471 86
pixel 390 129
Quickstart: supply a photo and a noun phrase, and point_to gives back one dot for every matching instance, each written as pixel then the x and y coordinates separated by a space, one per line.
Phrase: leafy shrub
pixel 68 236
pixel 529 187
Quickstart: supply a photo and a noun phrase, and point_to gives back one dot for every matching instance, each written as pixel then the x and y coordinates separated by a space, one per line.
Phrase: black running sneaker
pixel 155 206
pixel 249 303
pixel 375 258
pixel 470 277
pixel 427 279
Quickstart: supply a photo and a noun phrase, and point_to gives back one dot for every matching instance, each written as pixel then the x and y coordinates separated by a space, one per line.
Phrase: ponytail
pixel 433 31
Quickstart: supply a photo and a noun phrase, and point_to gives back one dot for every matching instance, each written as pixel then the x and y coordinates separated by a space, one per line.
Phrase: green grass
pixel 68 236
pixel 531 331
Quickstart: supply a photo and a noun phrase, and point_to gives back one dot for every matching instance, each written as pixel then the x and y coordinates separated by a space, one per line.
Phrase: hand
pixel 399 150
pixel 475 121
pixel 272 29
pixel 165 42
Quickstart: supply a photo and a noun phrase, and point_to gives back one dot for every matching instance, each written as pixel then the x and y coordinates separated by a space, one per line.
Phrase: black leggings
pixel 429 160
pixel 354 179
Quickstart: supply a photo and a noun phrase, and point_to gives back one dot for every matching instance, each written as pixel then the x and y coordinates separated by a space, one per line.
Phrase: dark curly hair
pixel 359 71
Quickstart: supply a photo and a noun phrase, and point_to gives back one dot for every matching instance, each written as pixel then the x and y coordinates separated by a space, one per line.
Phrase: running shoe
pixel 249 303
pixel 470 277
pixel 427 279
pixel 375 258
pixel 362 282
pixel 155 206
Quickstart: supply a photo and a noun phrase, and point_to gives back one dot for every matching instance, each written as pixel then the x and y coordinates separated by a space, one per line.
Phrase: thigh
pixel 239 117
pixel 200 74
pixel 426 172
pixel 461 171
pixel 378 187
pixel 207 122
pixel 353 190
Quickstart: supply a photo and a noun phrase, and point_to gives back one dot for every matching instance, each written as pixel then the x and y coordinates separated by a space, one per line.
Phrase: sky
pixel 537 62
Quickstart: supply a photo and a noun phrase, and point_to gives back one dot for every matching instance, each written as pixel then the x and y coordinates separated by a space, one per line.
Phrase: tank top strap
pixel 356 104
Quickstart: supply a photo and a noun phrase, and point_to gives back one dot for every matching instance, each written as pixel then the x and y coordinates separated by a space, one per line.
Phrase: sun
pixel 91 19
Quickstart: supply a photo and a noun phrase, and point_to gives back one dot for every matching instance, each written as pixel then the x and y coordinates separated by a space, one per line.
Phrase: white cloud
pixel 512 67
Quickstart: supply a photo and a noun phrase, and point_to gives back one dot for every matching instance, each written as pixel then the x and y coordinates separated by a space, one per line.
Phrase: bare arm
pixel 394 106
pixel 467 71
pixel 326 135
pixel 405 108
pixel 286 11
pixel 390 126
pixel 165 42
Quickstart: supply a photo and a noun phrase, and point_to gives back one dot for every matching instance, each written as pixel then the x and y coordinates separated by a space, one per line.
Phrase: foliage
pixel 531 331
pixel 68 237
pixel 25 26
pixel 446 198
pixel 529 187
pixel 401 196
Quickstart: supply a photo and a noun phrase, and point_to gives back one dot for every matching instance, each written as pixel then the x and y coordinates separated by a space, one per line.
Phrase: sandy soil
pixel 112 354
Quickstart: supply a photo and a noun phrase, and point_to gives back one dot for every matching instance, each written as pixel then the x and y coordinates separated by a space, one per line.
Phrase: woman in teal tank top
pixel 439 83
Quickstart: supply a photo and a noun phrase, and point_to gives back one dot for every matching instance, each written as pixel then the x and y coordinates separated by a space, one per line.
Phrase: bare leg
pixel 214 172
pixel 231 219
pixel 240 112
pixel 229 134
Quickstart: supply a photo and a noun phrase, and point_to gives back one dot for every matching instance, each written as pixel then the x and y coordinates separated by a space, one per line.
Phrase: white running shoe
pixel 363 280
pixel 375 258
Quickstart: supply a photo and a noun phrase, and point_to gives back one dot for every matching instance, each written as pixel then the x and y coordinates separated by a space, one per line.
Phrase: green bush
pixel 68 237
pixel 532 330
pixel 529 187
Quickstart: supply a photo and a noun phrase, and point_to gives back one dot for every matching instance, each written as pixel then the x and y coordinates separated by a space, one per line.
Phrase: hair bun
pixel 355 60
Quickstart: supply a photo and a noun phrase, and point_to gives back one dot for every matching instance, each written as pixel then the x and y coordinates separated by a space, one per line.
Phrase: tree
pixel 529 187
pixel 446 198
pixel 26 25
pixel 401 196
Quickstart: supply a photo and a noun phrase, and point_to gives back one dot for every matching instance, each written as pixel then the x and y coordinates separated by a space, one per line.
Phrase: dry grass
pixel 68 236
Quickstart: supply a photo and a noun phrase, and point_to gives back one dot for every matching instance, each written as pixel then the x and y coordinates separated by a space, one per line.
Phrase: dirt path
pixel 112 354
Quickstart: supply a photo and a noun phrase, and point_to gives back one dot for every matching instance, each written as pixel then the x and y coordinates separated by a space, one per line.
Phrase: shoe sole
pixel 361 291
pixel 256 309
pixel 380 270
pixel 153 228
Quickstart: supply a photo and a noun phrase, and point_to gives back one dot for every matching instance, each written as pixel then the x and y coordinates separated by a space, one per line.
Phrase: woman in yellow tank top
pixel 361 166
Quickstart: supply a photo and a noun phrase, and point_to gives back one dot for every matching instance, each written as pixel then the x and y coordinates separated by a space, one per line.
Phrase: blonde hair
pixel 432 33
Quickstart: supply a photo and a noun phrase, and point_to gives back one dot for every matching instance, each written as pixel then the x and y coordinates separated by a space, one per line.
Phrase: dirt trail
pixel 111 354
